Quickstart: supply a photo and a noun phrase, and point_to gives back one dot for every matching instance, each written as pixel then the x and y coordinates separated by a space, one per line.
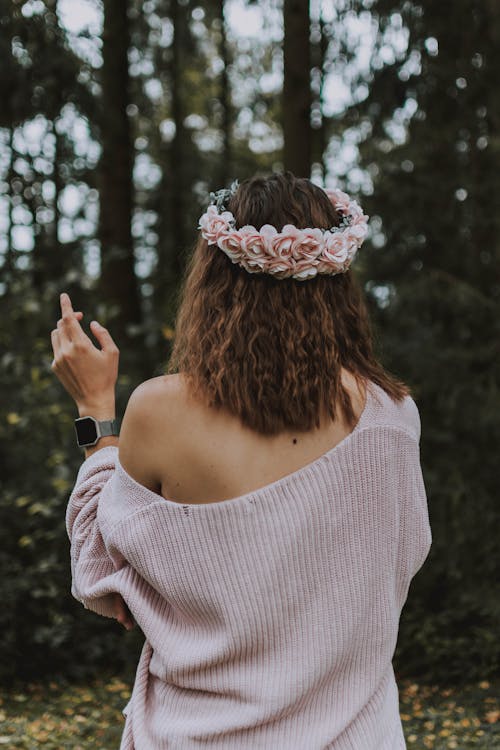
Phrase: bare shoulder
pixel 156 404
pixel 156 393
pixel 154 414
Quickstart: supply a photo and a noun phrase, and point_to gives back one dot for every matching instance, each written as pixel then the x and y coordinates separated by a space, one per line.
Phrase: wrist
pixel 100 410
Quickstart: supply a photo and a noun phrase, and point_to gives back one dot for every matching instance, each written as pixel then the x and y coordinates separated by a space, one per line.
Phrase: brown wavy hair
pixel 271 350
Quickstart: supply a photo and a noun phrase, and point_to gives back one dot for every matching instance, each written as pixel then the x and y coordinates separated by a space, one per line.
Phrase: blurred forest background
pixel 116 121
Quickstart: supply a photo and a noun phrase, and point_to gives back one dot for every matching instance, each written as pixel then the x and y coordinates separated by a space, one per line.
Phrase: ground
pixel 55 715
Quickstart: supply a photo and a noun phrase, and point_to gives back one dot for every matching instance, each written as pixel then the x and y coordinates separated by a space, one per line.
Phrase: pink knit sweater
pixel 271 619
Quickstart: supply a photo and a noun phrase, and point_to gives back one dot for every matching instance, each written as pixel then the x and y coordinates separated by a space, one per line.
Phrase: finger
pixel 78 316
pixel 65 301
pixel 63 334
pixel 128 624
pixel 68 335
pixel 104 337
pixel 56 344
pixel 127 619
pixel 72 327
pixel 123 613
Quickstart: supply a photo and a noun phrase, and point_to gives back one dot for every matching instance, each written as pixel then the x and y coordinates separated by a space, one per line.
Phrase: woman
pixel 263 512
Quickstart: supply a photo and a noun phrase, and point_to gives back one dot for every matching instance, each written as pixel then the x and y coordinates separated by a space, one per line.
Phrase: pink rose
pixel 354 236
pixel 307 272
pixel 336 247
pixel 213 224
pixel 359 218
pixel 268 233
pixel 280 269
pixel 335 253
pixel 356 211
pixel 231 244
pixel 357 232
pixel 331 267
pixel 341 201
pixel 307 245
pixel 281 262
pixel 252 265
pixel 281 244
pixel 253 246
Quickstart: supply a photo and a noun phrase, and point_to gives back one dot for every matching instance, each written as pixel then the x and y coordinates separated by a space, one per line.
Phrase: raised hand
pixel 87 373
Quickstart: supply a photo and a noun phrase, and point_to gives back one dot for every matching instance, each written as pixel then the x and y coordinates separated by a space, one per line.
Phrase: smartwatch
pixel 89 430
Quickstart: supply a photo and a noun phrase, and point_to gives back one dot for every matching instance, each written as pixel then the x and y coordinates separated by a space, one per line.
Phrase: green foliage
pixel 432 281
pixel 43 627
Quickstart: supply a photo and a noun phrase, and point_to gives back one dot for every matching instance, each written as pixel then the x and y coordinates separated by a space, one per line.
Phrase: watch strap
pixel 108 427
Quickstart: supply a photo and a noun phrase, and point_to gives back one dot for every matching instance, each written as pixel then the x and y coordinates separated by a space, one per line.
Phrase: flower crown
pixel 296 253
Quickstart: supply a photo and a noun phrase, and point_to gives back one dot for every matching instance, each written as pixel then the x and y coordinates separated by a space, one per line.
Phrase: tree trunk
pixel 57 188
pixel 177 151
pixel 173 156
pixel 118 282
pixel 297 88
pixel 8 266
pixel 322 139
pixel 225 101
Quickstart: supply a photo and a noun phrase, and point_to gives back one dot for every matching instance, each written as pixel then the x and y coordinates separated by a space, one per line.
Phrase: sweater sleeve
pixel 94 573
pixel 415 534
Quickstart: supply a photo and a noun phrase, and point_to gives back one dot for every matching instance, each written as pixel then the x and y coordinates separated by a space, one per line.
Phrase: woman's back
pixel 199 454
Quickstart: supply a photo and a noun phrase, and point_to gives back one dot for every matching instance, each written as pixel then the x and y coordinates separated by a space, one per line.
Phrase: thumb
pixel 103 336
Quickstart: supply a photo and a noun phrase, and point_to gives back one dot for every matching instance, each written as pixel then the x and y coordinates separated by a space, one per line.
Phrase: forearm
pixel 101 410
pixel 94 572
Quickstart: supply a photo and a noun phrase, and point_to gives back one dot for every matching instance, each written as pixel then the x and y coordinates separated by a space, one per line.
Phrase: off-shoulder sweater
pixel 270 619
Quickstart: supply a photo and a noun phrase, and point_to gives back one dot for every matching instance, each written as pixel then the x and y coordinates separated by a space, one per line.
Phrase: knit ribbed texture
pixel 271 619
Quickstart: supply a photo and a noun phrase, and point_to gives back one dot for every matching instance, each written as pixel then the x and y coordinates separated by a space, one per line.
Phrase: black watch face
pixel 86 431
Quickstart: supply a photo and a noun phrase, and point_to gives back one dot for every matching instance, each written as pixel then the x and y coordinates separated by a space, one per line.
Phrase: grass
pixel 55 715
pixel 443 718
